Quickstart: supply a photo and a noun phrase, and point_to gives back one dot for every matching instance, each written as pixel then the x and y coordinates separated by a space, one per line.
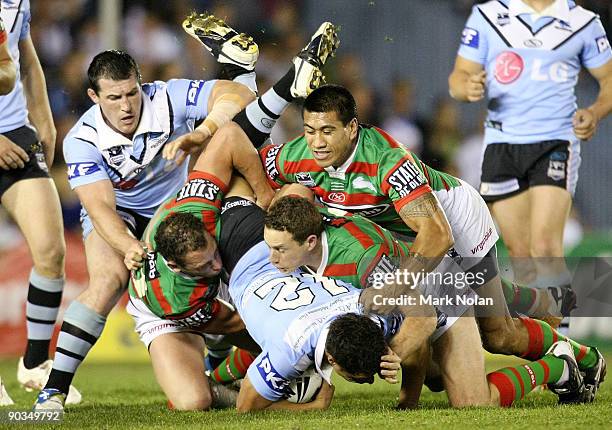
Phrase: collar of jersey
pixel 348 162
pixel 109 138
pixel 321 364
pixel 558 10
pixel 324 255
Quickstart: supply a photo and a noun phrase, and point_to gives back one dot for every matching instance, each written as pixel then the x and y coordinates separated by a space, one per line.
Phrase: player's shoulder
pixel 84 133
pixel 579 15
pixel 296 144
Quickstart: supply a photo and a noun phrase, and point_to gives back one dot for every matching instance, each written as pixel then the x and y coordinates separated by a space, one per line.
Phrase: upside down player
pixel 356 250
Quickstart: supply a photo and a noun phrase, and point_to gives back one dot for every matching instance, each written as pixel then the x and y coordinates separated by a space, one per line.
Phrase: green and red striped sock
pixel 520 299
pixel 513 383
pixel 542 336
pixel 234 367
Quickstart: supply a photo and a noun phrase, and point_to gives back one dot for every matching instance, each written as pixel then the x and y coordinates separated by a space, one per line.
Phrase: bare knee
pixel 48 258
pixel 190 401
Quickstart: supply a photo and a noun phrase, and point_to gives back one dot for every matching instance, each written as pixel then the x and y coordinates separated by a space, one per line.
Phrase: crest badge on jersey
pixel 602 44
pixel 503 18
pixel 115 155
pixel 470 37
pixel 508 67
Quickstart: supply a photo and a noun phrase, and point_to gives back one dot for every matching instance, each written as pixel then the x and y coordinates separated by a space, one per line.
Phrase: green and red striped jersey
pixel 174 295
pixel 355 249
pixel 377 180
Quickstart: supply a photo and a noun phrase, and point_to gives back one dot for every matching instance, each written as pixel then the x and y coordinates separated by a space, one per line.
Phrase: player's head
pixel 114 84
pixel 292 230
pixel 354 347
pixel 330 124
pixel 187 247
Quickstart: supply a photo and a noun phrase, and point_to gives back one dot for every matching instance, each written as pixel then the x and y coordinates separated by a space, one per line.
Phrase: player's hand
pixel 324 397
pixel 135 255
pixel 188 144
pixel 11 155
pixel 475 89
pixel 390 367
pixel 585 124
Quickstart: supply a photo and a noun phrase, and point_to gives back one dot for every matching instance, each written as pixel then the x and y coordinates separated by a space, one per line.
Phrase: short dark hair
pixel 179 234
pixel 295 215
pixel 111 64
pixel 332 98
pixel 356 343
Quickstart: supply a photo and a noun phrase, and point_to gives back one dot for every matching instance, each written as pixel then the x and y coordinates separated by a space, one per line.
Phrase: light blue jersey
pixel 532 66
pixel 289 317
pixel 142 179
pixel 13 108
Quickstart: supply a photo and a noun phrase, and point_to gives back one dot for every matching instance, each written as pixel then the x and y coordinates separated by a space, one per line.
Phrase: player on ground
pixel 27 148
pixel 526 55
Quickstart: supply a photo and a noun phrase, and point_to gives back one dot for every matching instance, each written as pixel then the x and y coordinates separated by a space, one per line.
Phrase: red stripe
pixel 208 176
pixel 345 269
pixel 555 335
pixel 504 385
pixel 244 358
pixel 518 376
pixel 536 339
pixel 159 295
pixel 365 240
pixel 209 218
pixel 198 292
pixel 305 165
pixel 425 171
pixel 3 37
pixel 546 371
pixel 391 141
pixel 582 353
pixel 370 169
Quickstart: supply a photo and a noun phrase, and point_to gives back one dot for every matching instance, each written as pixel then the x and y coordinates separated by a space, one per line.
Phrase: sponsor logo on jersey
pixel 116 155
pixel 198 318
pixel 198 187
pixel 470 37
pixel 480 246
pixel 508 67
pixel 337 197
pixel 193 92
pixel 271 376
pixel 362 183
pixel 370 212
pixel 384 266
pixel 151 271
pixel 503 18
pixel 242 202
pixel 533 43
pixel 305 179
pixel 602 44
pixel 81 169
pixel 406 178
pixel 270 162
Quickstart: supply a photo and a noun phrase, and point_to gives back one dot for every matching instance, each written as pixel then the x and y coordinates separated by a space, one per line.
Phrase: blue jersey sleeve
pixel 84 161
pixel 596 51
pixel 271 373
pixel 27 16
pixel 473 45
pixel 189 98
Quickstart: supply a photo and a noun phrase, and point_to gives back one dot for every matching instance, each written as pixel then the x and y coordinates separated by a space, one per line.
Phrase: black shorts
pixel 135 222
pixel 25 137
pixel 508 169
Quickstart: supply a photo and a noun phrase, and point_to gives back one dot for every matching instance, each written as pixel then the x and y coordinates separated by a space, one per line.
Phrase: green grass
pixel 126 396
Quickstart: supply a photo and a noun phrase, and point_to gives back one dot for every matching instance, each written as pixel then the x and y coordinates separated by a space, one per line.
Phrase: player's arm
pixel 250 400
pixel 467 81
pixel 231 149
pixel 35 89
pixel 8 72
pixel 98 199
pixel 585 120
pixel 227 98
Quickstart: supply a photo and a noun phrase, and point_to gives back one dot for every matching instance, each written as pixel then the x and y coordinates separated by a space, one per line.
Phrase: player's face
pixel 286 254
pixel 120 102
pixel 357 378
pixel 330 141
pixel 203 263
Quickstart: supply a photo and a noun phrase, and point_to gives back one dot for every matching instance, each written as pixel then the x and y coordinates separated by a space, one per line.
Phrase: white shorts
pixel 470 221
pixel 149 326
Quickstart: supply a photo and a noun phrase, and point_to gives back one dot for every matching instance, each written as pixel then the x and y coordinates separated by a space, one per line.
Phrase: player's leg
pixel 178 363
pixel 85 317
pixel 35 207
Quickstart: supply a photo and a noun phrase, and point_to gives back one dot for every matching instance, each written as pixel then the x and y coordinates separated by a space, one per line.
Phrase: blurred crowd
pixel 67 35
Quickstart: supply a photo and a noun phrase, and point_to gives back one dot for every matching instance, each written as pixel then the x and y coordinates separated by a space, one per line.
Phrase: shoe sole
pixel 327 46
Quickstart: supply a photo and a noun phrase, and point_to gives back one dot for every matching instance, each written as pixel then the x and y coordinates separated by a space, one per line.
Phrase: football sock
pixel 233 72
pixel 81 329
pixel 542 336
pixel 513 383
pixel 520 299
pixel 233 367
pixel 216 355
pixel 260 116
pixel 44 298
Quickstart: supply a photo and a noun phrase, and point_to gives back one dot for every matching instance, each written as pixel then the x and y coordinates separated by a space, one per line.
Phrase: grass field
pixel 126 396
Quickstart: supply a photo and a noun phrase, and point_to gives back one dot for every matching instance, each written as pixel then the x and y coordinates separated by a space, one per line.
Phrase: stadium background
pixel 395 56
